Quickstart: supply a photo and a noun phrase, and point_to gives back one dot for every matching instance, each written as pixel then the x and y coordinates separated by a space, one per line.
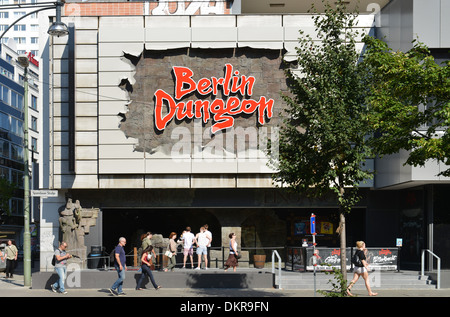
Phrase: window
pixel 34 40
pixel 4 121
pixel 17 206
pixel 20 40
pixel 20 27
pixel 4 173
pixel 16 100
pixel 16 152
pixel 4 15
pixel 17 126
pixel 18 14
pixel 3 27
pixel 33 102
pixel 4 148
pixel 33 123
pixel 5 94
pixel 34 27
pixel 6 73
pixel 20 101
pixel 34 145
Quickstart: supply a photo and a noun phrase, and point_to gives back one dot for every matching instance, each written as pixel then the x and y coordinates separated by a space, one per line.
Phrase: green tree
pixel 323 138
pixel 409 102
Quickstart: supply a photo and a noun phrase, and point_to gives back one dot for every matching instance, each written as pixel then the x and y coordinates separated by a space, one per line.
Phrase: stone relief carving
pixel 75 222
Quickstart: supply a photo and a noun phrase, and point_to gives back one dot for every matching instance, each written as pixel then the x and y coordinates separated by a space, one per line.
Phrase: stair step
pixel 384 280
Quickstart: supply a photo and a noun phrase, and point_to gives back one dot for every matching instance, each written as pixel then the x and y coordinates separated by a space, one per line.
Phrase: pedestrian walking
pixel 61 257
pixel 147 240
pixel 361 269
pixel 172 249
pixel 146 264
pixel 202 240
pixel 188 246
pixel 232 260
pixel 120 266
pixel 11 259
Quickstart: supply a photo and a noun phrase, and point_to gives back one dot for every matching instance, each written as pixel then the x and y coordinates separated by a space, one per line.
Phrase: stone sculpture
pixel 74 223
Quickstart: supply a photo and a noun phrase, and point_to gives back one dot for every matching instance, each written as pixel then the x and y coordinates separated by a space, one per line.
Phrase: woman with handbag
pixel 361 269
pixel 233 257
pixel 146 264
pixel 171 252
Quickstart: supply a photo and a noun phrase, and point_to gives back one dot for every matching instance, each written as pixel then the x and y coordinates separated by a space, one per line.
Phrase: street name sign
pixel 44 193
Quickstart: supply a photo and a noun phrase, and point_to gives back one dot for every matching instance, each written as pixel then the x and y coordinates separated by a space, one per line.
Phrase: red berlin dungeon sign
pixel 220 110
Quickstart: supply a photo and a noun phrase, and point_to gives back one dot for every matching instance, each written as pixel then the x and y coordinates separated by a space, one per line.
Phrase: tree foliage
pixel 323 139
pixel 409 102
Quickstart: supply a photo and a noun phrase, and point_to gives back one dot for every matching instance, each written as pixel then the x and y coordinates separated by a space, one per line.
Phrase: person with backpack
pixel 120 266
pixel 60 262
pixel 361 268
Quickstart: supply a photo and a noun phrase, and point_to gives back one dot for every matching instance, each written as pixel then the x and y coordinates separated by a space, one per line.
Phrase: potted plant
pixel 259 260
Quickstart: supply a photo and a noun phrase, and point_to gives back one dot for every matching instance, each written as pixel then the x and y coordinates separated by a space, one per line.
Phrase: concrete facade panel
pixel 128 181
pixel 86 152
pixel 127 166
pixel 168 166
pixel 115 151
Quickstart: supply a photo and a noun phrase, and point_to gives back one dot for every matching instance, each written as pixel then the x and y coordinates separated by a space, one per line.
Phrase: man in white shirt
pixel 202 243
pixel 208 249
pixel 188 246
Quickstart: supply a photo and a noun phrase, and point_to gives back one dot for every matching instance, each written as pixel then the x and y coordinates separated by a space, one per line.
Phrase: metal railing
pixel 275 252
pixel 105 263
pixel 438 266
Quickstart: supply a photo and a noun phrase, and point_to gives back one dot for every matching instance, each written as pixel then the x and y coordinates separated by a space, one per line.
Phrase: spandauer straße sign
pixel 222 111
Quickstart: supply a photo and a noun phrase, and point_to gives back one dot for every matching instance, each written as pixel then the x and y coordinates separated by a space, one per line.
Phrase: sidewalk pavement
pixel 15 288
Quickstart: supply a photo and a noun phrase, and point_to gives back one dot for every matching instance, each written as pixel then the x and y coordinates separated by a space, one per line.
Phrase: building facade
pixel 12 138
pixel 25 18
pixel 162 118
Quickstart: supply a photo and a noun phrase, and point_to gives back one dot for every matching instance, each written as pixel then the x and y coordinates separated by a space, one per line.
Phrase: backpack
pixel 356 261
pixel 112 256
pixel 54 260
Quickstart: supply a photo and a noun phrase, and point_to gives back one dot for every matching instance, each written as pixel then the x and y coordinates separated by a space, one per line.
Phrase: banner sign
pixel 326 259
pixel 383 259
pixel 236 89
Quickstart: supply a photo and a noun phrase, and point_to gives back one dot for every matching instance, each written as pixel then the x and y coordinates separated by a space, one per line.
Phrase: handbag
pixel 168 253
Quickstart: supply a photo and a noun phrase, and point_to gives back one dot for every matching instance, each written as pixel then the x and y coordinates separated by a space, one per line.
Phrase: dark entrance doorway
pixel 132 223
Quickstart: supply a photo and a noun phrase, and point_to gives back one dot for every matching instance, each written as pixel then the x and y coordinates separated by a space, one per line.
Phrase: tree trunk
pixel 343 243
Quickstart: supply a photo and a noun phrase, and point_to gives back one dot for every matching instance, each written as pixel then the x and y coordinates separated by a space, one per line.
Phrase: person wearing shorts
pixel 188 246
pixel 202 240
pixel 361 270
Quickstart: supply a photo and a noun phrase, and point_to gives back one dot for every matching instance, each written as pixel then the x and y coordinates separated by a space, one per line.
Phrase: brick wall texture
pixel 126 8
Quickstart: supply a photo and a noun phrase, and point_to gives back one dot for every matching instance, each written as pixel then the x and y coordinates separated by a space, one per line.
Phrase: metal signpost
pixel 313 232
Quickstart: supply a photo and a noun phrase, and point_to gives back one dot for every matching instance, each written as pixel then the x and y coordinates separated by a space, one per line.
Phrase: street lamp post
pixel 23 61
pixel 58 29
